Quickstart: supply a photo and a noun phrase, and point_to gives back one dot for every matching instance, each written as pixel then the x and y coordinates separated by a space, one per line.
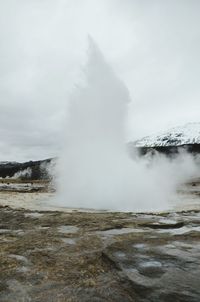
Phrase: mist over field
pixel 99 150
pixel 95 169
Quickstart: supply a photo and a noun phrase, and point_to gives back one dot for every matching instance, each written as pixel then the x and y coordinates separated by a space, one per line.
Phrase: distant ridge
pixel 170 142
pixel 182 135
pixel 31 170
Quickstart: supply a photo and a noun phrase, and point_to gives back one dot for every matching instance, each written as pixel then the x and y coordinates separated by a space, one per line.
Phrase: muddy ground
pixel 80 256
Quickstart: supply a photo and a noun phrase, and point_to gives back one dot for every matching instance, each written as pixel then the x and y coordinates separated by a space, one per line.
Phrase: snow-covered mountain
pixel 188 134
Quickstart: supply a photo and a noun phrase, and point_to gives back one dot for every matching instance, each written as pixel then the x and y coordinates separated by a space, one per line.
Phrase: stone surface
pixel 79 256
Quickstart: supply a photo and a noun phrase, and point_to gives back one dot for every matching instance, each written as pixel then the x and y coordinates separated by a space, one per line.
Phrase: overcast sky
pixel 153 45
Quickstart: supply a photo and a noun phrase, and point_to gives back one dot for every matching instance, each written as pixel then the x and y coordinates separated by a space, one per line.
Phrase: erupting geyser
pixel 95 168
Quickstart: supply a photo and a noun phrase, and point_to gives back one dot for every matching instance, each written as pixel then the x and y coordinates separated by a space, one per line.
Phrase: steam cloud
pixel 95 170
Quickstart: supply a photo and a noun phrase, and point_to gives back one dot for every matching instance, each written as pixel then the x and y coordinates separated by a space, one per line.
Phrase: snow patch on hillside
pixel 177 136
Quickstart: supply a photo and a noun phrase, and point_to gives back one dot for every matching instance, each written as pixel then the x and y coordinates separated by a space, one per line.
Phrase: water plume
pixel 95 170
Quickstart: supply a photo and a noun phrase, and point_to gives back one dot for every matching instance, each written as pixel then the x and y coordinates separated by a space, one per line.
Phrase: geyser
pixel 95 168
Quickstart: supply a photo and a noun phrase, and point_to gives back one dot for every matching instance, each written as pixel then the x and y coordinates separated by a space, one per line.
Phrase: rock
pixel 101 256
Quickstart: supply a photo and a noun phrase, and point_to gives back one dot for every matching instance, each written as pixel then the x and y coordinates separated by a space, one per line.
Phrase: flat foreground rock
pixel 77 256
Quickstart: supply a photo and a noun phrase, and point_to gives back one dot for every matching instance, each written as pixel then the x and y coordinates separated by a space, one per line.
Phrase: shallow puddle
pixel 67 229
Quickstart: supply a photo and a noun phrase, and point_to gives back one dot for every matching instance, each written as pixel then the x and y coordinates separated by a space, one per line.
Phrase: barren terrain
pixel 72 255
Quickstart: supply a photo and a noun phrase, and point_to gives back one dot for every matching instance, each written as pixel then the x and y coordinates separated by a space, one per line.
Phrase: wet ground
pixel 104 256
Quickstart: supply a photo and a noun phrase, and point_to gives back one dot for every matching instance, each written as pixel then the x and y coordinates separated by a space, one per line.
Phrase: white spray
pixel 95 168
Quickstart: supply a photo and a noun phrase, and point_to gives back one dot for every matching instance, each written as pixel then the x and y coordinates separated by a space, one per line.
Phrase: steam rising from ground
pixel 95 168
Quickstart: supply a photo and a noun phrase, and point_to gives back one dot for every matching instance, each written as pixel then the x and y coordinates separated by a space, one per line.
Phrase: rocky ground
pixel 98 256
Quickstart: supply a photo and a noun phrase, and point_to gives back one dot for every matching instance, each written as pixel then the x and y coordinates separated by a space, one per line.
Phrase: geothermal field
pixel 102 223
pixel 50 253
pixel 99 151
